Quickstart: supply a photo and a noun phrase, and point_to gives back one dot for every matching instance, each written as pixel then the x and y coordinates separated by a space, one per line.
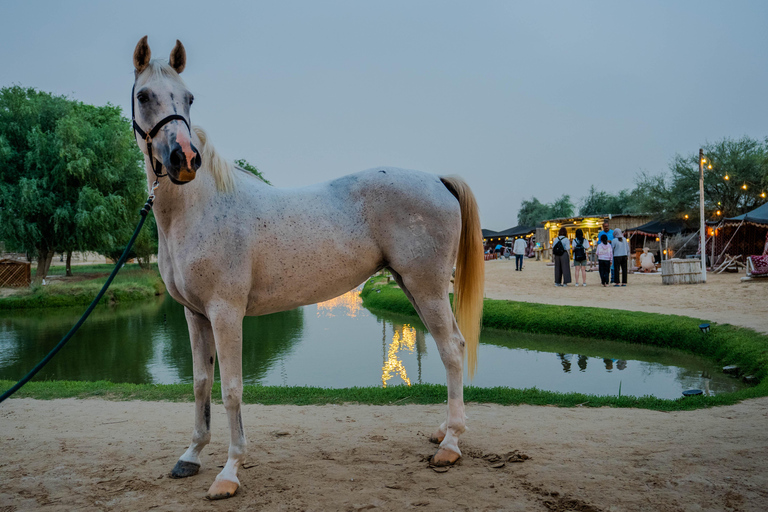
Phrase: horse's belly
pixel 307 281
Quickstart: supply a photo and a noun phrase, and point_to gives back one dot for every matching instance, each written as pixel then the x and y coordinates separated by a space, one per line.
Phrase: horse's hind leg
pixel 401 284
pixel 435 311
pixel 227 325
pixel 203 356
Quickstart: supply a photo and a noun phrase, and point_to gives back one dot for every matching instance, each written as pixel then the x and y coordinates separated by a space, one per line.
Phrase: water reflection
pixel 348 304
pixel 138 343
pixel 335 344
pixel 403 339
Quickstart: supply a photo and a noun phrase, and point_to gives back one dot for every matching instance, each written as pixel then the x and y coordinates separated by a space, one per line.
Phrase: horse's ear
pixel 178 57
pixel 141 55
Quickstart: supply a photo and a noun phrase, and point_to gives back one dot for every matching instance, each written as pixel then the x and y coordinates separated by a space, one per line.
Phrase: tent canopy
pixel 517 231
pixel 653 228
pixel 757 216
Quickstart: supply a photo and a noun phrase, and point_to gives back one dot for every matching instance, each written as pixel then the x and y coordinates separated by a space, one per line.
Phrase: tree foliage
pixel 252 169
pixel 533 211
pixel 744 161
pixel 676 193
pixel 599 202
pixel 70 175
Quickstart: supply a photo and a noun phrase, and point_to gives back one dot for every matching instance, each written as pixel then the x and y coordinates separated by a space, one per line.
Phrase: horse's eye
pixel 142 97
pixel 191 99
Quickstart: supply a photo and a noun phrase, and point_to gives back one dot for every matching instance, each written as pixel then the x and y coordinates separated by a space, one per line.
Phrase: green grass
pixel 131 283
pixel 105 268
pixel 392 395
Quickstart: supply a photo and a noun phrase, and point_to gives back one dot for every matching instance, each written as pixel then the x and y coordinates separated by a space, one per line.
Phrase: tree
pixel 533 211
pixel 252 169
pixel 744 161
pixel 562 207
pixel 70 175
pixel 601 202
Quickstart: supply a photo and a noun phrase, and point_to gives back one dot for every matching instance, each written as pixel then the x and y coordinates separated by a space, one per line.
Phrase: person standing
pixel 518 249
pixel 620 254
pixel 561 249
pixel 604 259
pixel 580 246
pixel 607 231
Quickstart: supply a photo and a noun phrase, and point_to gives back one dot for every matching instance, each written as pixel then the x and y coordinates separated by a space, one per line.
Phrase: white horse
pixel 224 235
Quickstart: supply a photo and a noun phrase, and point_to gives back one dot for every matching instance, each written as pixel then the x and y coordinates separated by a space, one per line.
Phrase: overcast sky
pixel 522 99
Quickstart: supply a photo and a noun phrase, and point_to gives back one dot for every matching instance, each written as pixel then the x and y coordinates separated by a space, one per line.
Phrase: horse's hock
pixel 679 271
pixel 15 273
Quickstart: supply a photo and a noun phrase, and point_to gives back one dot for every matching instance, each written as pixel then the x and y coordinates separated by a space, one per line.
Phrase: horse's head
pixel 161 105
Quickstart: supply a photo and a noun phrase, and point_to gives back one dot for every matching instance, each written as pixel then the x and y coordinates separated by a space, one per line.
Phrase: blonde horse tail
pixel 469 282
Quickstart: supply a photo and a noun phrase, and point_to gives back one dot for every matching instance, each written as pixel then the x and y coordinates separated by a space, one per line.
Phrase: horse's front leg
pixel 203 358
pixel 227 324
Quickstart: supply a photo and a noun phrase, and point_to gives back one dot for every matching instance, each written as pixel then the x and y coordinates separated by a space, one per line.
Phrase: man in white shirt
pixel 519 250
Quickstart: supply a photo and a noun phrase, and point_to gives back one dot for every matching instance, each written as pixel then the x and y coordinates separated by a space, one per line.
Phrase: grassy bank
pixel 726 344
pixel 131 283
pixel 392 395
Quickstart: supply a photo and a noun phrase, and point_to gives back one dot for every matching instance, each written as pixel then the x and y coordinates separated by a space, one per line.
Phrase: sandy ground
pixel 96 455
pixel 71 454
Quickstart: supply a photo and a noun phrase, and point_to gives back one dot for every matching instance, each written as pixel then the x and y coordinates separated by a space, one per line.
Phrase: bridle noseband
pixel 151 135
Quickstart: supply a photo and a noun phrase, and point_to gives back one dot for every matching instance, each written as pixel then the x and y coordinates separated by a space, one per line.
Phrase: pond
pixel 338 344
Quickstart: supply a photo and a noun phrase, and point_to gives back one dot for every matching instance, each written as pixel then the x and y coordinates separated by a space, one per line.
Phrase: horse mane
pixel 217 165
pixel 220 168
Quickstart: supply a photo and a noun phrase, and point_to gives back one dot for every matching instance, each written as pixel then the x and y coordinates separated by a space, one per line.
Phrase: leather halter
pixel 149 136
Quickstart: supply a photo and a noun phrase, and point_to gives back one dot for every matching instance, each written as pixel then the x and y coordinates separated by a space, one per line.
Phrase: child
pixel 604 258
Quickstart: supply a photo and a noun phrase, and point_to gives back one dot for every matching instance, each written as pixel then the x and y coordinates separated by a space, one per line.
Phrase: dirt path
pixel 71 454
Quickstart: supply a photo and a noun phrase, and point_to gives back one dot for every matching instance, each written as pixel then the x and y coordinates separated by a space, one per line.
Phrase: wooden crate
pixel 15 273
pixel 679 271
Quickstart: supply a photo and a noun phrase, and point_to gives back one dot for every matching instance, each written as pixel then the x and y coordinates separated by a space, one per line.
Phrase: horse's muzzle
pixel 183 163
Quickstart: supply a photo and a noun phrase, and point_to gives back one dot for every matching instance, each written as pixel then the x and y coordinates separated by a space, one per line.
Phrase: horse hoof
pixel 444 457
pixel 221 489
pixel 183 469
pixel 437 437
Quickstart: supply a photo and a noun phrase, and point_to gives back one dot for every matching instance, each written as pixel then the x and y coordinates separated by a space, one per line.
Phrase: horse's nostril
pixel 198 161
pixel 177 156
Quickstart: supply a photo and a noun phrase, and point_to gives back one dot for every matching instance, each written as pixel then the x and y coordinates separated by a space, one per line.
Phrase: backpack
pixel 558 249
pixel 579 253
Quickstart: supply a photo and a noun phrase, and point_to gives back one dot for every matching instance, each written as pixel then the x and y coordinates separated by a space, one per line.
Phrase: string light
pixel 744 186
pixel 718 212
pixel 686 215
pixel 726 177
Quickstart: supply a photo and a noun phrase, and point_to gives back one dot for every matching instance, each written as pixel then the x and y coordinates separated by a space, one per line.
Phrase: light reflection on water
pixel 403 340
pixel 339 343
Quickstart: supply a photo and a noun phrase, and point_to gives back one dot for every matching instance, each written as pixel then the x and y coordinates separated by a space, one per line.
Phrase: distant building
pixel 589 224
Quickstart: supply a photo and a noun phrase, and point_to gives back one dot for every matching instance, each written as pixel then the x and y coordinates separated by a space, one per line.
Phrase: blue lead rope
pixel 144 211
